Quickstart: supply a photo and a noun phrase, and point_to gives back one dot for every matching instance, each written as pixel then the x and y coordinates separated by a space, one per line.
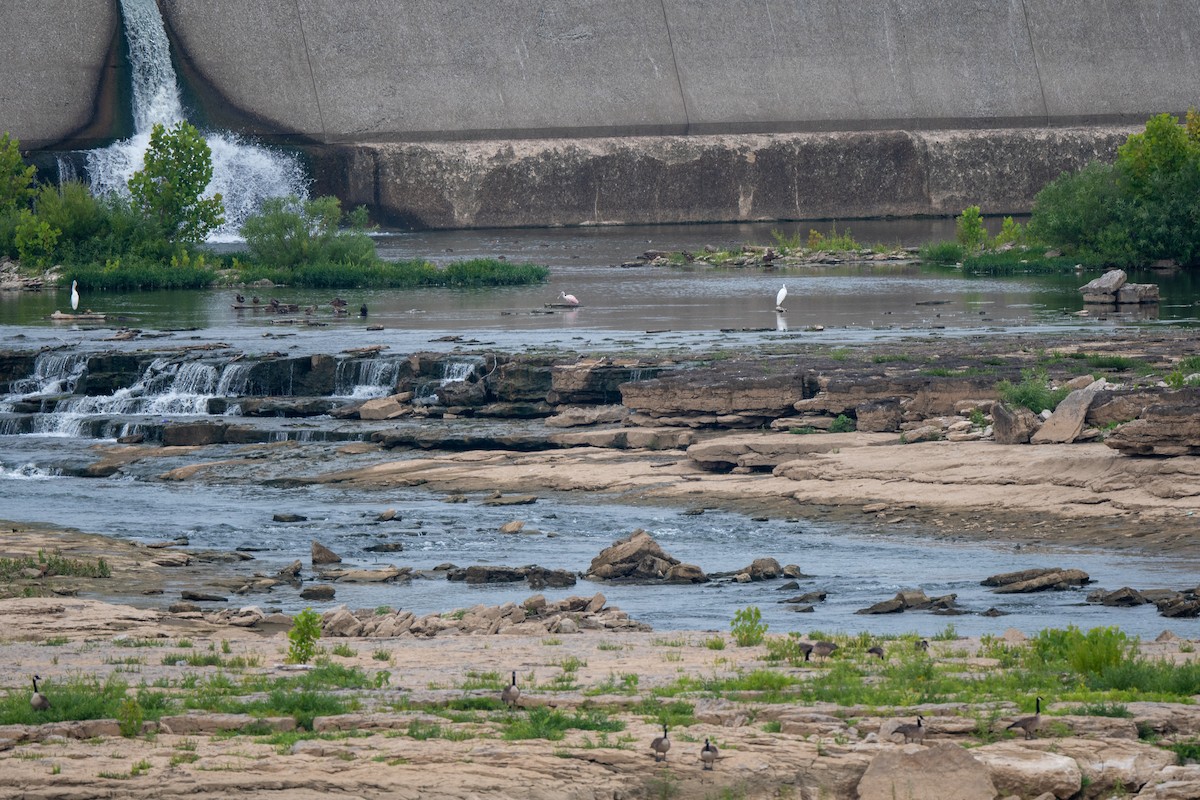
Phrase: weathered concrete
pixel 376 71
pixel 53 55
pixel 387 96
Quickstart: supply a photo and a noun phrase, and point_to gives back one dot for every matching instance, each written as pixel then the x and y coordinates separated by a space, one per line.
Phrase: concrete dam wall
pixel 453 113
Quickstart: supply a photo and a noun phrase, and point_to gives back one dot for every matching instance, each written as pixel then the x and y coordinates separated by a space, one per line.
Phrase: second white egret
pixel 779 299
pixel 74 295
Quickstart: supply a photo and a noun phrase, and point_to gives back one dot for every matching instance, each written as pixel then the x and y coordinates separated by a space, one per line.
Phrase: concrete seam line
pixel 1036 69
pixel 687 119
pixel 311 75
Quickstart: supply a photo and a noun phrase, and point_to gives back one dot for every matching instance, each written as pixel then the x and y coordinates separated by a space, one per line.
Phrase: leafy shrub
pixel 1011 232
pixel 747 626
pixel 833 240
pixel 942 252
pixel 35 239
pixel 969 230
pixel 303 636
pixel 130 717
pixel 785 242
pixel 843 424
pixel 1141 208
pixel 1033 392
pixel 288 232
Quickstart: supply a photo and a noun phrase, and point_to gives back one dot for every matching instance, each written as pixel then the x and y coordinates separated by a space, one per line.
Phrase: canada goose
pixel 1030 724
pixel 922 645
pixel 511 693
pixel 913 733
pixel 877 650
pixel 708 754
pixel 38 701
pixel 661 745
pixel 823 649
pixel 240 299
pixel 362 310
pixel 807 649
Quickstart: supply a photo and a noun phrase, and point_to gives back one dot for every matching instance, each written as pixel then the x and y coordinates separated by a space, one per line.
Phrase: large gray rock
pixel 942 771
pixel 1029 772
pixel 1013 425
pixel 636 557
pixel 323 555
pixel 1066 423
pixel 1170 427
pixel 1104 289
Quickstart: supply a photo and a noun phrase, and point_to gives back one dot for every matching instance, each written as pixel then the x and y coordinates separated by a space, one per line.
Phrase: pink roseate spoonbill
pixel 569 299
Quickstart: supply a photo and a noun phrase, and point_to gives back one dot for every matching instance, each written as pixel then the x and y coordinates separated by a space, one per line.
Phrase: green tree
pixel 16 177
pixel 1146 206
pixel 168 188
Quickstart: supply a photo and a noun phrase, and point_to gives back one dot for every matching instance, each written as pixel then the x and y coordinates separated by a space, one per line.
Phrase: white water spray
pixel 244 173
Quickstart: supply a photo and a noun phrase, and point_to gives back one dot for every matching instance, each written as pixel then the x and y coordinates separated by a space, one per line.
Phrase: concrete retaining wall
pixel 341 71
pixel 706 178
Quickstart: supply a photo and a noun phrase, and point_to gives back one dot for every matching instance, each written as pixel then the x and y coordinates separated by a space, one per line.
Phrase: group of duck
pixel 273 305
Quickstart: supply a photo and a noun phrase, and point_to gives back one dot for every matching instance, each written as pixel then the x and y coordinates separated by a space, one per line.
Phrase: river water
pixel 623 308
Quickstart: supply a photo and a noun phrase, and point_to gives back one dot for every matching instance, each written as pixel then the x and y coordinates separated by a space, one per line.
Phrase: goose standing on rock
pixel 511 693
pixel 1030 724
pixel 239 298
pixel 877 650
pixel 661 745
pixel 38 701
pixel 708 754
pixel 913 733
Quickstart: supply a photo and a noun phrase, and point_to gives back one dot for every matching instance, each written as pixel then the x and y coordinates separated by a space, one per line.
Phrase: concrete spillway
pixel 462 113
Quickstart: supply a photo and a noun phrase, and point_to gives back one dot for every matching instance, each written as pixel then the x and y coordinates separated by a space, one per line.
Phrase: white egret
pixel 74 295
pixel 569 299
pixel 779 300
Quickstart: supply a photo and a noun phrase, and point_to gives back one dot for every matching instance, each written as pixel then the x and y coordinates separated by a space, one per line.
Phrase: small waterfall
pixel 244 173
pixel 53 374
pixel 165 388
pixel 452 372
pixel 27 472
pixel 363 379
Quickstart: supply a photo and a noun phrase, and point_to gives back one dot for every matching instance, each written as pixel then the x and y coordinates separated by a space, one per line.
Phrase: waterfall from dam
pixel 244 173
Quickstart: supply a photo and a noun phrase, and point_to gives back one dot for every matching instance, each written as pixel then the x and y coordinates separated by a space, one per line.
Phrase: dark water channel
pixel 623 308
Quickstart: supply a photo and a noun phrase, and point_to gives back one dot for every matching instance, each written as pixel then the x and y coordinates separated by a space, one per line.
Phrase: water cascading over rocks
pixel 244 173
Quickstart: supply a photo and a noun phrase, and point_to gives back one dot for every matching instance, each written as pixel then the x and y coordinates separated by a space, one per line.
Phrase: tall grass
pixel 1033 391
pixel 398 274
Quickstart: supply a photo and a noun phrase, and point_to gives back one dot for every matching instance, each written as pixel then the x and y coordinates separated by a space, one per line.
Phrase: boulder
pixel 288 518
pixel 1057 580
pixel 541 578
pixel 942 771
pixel 513 526
pixel 1173 783
pixel 1013 425
pixel 383 575
pixel 1028 772
pixel 1136 293
pixel 323 555
pixel 685 573
pixel 637 557
pixel 1105 288
pixel 320 592
pixel 576 416
pixel 762 569
pixel 1066 423
pixel 1123 597
pixel 879 416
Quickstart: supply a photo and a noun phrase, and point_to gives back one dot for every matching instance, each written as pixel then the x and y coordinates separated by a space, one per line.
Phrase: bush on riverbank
pixel 1142 208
